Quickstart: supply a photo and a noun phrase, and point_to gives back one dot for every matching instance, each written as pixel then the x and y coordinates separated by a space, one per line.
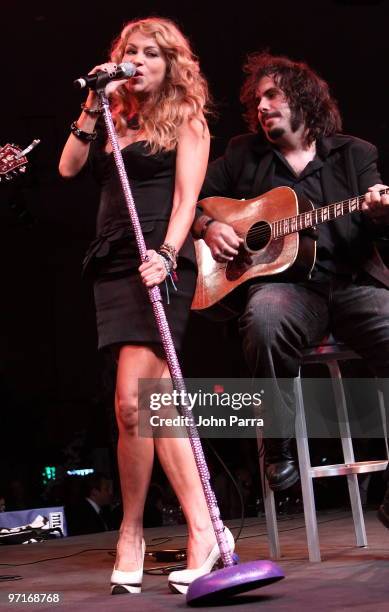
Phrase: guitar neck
pixel 29 148
pixel 309 219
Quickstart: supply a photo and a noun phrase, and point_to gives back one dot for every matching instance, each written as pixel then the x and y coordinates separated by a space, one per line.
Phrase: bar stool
pixel 329 352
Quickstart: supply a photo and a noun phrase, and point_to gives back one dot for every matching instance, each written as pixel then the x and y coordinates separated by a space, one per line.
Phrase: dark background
pixel 54 387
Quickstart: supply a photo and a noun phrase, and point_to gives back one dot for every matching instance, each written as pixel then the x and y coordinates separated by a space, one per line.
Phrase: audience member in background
pixel 91 514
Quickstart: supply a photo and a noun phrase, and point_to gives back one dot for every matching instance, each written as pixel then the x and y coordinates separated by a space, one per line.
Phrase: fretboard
pixel 309 219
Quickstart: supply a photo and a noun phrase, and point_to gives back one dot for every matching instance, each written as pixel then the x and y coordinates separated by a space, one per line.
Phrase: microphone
pixel 101 78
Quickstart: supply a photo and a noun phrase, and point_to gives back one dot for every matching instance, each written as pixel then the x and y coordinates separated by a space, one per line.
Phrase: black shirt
pixel 332 252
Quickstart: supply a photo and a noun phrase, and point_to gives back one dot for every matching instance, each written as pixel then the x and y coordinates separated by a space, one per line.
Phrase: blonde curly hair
pixel 183 93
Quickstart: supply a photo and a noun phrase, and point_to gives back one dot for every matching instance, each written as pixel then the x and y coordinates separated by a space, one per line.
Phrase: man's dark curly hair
pixel 307 94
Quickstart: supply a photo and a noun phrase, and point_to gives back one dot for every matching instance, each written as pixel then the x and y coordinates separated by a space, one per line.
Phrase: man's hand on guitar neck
pixel 223 241
pixel 376 204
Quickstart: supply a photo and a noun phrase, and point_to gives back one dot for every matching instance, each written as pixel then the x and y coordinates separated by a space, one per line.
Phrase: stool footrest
pixel 343 469
pixel 332 351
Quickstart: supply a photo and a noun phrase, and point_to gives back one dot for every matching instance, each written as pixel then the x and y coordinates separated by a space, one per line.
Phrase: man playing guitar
pixel 300 147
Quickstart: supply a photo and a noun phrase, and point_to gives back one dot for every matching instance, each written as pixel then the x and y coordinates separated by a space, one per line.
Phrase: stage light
pixel 49 473
pixel 80 472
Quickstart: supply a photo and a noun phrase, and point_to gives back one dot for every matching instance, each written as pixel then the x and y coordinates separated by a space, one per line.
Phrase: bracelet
pixel 167 263
pixel 93 112
pixel 205 227
pixel 169 252
pixel 84 136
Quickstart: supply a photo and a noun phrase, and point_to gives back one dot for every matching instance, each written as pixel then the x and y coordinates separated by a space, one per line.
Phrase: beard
pixel 276 133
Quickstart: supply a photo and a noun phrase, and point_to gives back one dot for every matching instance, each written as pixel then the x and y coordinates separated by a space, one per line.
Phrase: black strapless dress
pixel 123 310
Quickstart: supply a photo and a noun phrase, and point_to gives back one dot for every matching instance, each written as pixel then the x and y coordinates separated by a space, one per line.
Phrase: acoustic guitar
pixel 276 240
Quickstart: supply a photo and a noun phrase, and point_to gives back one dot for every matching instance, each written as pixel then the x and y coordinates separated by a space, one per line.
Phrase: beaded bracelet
pixel 93 112
pixel 81 135
pixel 167 263
pixel 170 273
pixel 169 252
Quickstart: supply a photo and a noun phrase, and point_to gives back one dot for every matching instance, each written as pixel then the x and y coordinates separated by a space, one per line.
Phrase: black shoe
pixel 280 467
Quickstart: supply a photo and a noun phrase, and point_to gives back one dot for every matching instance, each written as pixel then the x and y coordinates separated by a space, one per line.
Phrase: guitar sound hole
pixel 258 236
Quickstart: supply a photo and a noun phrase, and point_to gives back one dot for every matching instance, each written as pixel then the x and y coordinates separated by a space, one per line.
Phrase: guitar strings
pixel 262 232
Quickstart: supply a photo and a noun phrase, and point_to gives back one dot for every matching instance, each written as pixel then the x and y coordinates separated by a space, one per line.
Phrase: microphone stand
pixel 179 384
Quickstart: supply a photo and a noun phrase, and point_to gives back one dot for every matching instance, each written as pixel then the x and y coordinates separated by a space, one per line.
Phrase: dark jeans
pixel 281 319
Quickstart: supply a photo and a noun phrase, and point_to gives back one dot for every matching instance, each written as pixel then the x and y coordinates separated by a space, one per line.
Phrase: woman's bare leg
pixel 135 454
pixel 135 460
pixel 177 460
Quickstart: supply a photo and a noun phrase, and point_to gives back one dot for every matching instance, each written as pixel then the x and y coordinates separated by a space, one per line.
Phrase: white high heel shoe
pixel 128 582
pixel 179 581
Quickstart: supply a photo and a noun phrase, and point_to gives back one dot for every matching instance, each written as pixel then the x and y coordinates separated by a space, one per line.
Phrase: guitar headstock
pixel 12 161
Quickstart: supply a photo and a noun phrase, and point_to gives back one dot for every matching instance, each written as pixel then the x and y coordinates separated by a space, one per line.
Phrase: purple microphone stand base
pixel 217 586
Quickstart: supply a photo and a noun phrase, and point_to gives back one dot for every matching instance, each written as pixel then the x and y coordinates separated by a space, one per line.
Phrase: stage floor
pixel 79 569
